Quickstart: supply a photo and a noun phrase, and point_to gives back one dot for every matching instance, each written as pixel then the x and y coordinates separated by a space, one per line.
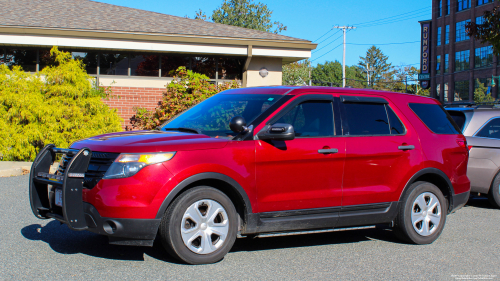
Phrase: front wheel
pixel 200 226
pixel 422 214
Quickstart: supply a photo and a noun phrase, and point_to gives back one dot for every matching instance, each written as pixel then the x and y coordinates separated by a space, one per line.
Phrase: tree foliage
pixel 489 31
pixel 330 74
pixel 186 90
pixel 60 105
pixel 376 63
pixel 480 94
pixel 244 13
pixel 296 73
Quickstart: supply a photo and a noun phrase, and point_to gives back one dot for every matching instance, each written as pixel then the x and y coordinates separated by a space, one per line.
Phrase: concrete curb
pixel 14 169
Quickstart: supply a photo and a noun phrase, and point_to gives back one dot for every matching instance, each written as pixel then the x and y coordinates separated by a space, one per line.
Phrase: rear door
pixel 381 150
pixel 301 173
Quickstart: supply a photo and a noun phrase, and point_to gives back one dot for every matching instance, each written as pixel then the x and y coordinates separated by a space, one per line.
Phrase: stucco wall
pixel 273 65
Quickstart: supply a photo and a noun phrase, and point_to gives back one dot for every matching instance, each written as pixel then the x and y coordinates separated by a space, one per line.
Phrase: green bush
pixel 186 90
pixel 59 105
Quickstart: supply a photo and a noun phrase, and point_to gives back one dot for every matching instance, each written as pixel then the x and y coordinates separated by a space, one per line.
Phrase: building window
pixel 446 63
pixel 144 65
pixel 447 35
pixel 448 7
pixel 480 20
pixel 440 8
pixel 484 56
pixel 486 82
pixel 461 91
pixel 438 91
pixel 438 65
pixel 462 60
pixel 482 2
pixel 439 36
pixel 113 64
pixel 445 92
pixel 463 5
pixel 25 58
pixel 230 68
pixel 461 32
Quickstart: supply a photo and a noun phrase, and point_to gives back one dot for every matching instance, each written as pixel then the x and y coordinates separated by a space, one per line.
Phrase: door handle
pixel 406 147
pixel 328 151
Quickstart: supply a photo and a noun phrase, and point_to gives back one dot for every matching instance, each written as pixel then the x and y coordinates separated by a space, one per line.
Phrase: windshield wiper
pixel 188 130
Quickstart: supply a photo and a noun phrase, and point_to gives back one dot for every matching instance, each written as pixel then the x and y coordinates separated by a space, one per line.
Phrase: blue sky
pixel 380 22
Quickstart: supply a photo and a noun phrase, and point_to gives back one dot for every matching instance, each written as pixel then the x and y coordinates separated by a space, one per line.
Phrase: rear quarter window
pixel 459 118
pixel 490 130
pixel 435 118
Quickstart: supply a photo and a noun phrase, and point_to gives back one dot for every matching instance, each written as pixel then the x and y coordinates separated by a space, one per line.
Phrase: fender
pixel 433 171
pixel 204 176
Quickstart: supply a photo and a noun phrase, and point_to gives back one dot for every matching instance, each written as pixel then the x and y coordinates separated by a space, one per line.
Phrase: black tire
pixel 404 228
pixel 170 226
pixel 494 194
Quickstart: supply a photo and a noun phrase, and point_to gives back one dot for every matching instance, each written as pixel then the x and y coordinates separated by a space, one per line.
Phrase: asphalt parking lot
pixel 469 247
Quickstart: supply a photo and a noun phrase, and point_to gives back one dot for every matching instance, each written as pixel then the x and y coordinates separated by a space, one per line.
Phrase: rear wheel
pixel 494 194
pixel 200 226
pixel 422 214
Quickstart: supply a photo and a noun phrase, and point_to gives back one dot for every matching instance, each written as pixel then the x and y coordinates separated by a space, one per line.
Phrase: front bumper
pixel 75 213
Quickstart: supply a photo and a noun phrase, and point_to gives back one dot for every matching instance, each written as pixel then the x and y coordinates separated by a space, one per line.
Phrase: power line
pixel 323 35
pixel 315 51
pixel 384 43
pixel 396 16
pixel 328 52
pixel 329 37
pixel 392 21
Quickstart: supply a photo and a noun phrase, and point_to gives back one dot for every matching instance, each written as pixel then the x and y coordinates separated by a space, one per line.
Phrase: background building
pixel 456 61
pixel 134 51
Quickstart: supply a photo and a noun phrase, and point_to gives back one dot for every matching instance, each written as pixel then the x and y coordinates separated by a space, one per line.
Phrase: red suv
pixel 263 162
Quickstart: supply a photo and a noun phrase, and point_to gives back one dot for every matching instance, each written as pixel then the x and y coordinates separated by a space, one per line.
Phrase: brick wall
pixel 130 97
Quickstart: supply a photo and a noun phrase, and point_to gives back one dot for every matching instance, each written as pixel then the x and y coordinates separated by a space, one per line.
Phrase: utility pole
pixel 344 28
pixel 368 71
pixel 406 84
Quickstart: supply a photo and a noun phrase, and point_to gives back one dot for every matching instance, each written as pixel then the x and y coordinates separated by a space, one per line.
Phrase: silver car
pixel 481 127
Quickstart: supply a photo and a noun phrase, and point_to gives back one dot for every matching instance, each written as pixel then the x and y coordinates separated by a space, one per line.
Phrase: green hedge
pixel 59 105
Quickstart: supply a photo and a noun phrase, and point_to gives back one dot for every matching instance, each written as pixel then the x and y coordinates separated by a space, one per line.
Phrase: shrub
pixel 60 105
pixel 186 90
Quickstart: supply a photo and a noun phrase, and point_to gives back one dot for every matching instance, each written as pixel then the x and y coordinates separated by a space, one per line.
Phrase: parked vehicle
pixel 263 162
pixel 481 126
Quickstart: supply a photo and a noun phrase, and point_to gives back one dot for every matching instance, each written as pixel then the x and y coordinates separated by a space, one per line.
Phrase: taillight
pixel 462 143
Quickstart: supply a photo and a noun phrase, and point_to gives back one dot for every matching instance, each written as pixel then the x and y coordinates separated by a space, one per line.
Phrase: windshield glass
pixel 211 117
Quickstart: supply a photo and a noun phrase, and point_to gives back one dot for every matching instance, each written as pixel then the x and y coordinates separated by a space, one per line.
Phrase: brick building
pixel 456 61
pixel 133 51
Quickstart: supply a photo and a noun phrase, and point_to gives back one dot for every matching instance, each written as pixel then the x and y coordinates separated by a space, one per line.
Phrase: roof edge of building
pixel 161 37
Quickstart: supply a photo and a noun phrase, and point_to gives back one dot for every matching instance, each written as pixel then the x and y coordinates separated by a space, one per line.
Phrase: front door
pixel 302 173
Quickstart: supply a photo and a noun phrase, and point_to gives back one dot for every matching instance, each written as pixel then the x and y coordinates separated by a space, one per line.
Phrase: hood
pixel 149 141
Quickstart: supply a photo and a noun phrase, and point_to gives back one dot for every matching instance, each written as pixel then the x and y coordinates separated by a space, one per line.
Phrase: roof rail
pixel 493 104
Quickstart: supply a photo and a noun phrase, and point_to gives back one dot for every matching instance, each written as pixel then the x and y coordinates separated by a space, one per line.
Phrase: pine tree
pixel 380 70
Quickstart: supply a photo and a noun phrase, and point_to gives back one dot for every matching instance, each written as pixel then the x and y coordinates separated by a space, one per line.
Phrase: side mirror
pixel 278 131
pixel 238 124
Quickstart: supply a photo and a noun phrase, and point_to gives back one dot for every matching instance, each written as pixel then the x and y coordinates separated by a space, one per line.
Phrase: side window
pixel 435 118
pixel 367 119
pixel 490 130
pixel 311 119
pixel 397 127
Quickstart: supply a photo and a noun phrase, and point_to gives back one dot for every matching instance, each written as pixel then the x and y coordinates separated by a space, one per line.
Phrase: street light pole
pixel 344 28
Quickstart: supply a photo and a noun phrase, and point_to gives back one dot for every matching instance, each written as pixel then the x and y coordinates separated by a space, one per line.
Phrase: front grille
pixel 98 165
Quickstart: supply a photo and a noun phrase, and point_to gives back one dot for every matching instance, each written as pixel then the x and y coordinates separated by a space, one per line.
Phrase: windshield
pixel 211 117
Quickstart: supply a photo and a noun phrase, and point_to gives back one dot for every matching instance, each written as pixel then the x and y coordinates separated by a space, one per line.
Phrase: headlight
pixel 127 165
